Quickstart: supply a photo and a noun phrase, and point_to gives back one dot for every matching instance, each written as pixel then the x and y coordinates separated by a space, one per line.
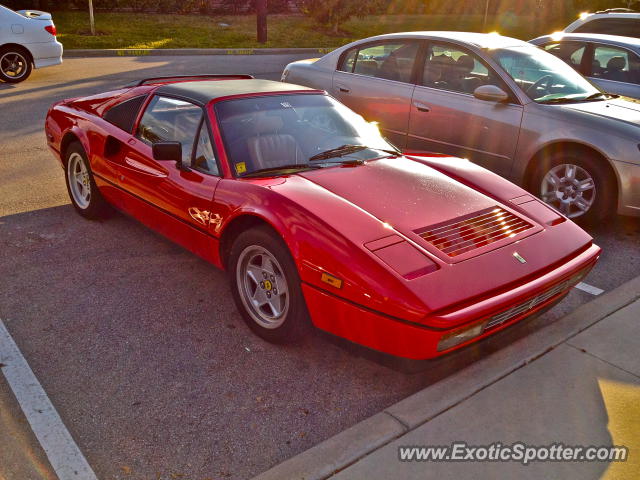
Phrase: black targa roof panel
pixel 203 92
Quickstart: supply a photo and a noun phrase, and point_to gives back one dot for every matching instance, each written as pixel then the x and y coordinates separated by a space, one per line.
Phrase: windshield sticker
pixel 241 167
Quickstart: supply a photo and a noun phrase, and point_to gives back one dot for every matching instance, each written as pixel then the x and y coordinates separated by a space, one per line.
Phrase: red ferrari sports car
pixel 315 216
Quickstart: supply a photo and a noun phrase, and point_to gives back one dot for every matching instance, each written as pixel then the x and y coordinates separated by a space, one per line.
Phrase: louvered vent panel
pixel 486 227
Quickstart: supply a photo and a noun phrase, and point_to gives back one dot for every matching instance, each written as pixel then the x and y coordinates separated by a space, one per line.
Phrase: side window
pixel 348 61
pixel 168 119
pixel 450 68
pixel 611 63
pixel 204 158
pixel 391 61
pixel 598 25
pixel 628 27
pixel 124 114
pixel 570 52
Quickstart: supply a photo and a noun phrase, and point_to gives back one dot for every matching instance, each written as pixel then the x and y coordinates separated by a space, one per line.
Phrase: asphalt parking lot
pixel 137 342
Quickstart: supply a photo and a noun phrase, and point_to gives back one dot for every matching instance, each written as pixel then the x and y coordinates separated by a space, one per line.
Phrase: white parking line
pixel 63 453
pixel 585 287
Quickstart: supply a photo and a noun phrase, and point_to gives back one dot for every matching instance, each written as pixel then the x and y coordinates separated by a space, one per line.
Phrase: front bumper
pixel 401 338
pixel 629 183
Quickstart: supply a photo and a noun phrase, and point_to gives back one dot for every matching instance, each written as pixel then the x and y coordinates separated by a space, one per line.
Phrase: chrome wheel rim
pixel 569 188
pixel 79 181
pixel 263 287
pixel 13 65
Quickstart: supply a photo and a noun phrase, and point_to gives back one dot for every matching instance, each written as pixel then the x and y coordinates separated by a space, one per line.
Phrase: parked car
pixel 501 102
pixel 312 213
pixel 614 21
pixel 610 61
pixel 27 41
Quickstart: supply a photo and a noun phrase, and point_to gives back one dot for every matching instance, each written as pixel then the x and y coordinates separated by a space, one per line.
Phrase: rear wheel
pixel 266 286
pixel 82 188
pixel 578 185
pixel 15 65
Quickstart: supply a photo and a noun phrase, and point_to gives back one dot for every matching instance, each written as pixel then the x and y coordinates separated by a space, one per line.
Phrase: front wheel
pixel 81 186
pixel 266 286
pixel 580 187
pixel 15 65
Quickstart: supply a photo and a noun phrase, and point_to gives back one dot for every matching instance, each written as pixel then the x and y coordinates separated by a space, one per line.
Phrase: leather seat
pixel 269 148
pixel 615 67
pixel 468 82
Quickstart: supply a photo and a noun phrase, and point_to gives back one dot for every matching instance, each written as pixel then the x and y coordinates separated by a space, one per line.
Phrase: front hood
pixel 620 109
pixel 404 193
pixel 413 199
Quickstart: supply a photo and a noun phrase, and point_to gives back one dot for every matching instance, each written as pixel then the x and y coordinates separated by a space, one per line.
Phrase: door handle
pixel 141 168
pixel 343 89
pixel 421 107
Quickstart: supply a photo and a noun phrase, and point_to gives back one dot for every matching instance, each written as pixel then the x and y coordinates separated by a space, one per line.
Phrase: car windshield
pixel 286 132
pixel 544 77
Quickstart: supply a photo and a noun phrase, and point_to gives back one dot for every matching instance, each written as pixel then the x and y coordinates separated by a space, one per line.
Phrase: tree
pixel 261 16
pixel 92 23
pixel 333 13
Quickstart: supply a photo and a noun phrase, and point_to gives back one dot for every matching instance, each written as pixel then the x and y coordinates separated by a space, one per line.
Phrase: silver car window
pixel 542 76
pixel 391 61
pixel 451 68
pixel 618 64
pixel 570 52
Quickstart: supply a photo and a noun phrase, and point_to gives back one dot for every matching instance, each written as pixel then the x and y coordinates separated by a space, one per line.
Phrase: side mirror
pixel 171 151
pixel 490 93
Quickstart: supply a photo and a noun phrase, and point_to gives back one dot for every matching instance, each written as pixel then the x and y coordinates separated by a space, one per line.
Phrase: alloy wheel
pixel 13 65
pixel 569 188
pixel 263 286
pixel 79 180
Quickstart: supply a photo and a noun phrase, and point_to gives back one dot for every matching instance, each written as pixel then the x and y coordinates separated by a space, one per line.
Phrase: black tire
pixel 602 198
pixel 95 206
pixel 294 323
pixel 12 59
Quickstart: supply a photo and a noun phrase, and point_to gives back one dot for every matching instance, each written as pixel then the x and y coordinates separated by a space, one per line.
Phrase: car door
pixel 446 118
pixel 615 70
pixel 177 202
pixel 375 79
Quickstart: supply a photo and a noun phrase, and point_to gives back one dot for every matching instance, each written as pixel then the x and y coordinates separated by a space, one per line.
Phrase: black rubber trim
pixel 182 220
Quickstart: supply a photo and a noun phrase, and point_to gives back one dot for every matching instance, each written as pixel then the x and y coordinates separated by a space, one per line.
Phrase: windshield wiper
pixel 593 96
pixel 561 100
pixel 340 151
pixel 293 166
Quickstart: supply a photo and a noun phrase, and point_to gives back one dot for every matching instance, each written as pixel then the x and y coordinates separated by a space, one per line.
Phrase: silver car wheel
pixel 263 287
pixel 13 65
pixel 569 188
pixel 79 180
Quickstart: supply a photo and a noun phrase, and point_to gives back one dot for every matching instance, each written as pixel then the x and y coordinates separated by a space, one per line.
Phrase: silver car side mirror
pixel 491 93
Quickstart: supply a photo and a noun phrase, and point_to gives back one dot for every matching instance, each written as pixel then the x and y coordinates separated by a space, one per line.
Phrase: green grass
pixel 128 30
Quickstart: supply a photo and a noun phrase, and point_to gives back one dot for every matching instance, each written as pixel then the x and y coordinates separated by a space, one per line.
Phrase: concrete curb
pixel 155 52
pixel 336 453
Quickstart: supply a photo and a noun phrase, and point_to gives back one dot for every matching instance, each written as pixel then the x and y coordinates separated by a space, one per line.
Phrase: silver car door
pixel 376 80
pixel 446 118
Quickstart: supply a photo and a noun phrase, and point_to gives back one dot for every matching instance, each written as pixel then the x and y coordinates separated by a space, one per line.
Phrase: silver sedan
pixel 502 103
